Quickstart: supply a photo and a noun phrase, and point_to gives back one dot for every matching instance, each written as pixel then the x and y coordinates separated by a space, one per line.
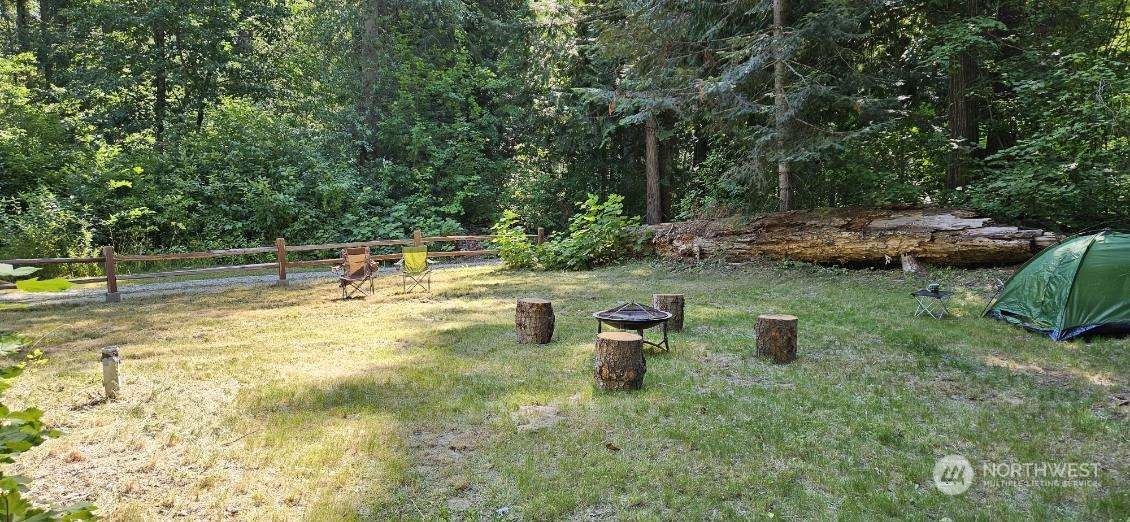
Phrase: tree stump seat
pixel 619 362
pixel 776 337
pixel 672 303
pixel 533 321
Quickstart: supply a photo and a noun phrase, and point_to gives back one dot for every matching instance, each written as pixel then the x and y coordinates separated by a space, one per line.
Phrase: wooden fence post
pixel 417 237
pixel 541 235
pixel 112 295
pixel 280 253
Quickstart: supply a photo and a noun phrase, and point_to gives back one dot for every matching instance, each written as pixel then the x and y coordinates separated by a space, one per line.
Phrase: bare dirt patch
pixel 533 417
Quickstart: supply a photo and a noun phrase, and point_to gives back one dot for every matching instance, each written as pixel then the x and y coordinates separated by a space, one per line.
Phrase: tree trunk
pixel 781 106
pixel 533 321
pixel 1000 129
pixel 44 51
pixel 962 113
pixel 670 303
pixel 23 32
pixel 852 236
pixel 370 79
pixel 160 83
pixel 776 337
pixel 667 172
pixel 10 26
pixel 701 148
pixel 654 204
pixel 619 363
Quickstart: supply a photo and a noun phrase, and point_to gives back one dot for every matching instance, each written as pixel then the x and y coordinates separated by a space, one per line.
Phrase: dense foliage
pixel 600 234
pixel 177 125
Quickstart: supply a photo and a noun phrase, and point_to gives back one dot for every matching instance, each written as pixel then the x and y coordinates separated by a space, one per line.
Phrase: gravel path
pixel 98 294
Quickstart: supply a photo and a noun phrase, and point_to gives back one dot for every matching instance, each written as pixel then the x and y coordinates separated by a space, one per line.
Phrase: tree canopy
pixel 175 124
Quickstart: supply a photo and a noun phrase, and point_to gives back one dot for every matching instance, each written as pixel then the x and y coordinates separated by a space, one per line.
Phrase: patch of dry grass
pixel 269 403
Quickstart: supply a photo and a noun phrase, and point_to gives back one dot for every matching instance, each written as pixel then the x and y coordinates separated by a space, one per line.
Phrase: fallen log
pixel 852 236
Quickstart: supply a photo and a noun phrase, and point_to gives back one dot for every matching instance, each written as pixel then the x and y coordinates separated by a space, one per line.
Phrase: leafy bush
pixel 600 234
pixel 514 246
pixel 1072 172
pixel 43 226
pixel 22 430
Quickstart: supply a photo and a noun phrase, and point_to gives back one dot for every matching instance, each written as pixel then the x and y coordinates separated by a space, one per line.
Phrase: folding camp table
pixel 932 302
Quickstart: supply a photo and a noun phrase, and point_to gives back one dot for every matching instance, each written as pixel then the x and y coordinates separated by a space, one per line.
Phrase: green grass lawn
pixel 280 404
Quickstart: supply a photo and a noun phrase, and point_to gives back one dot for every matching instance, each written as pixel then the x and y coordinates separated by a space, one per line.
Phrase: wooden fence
pixel 110 259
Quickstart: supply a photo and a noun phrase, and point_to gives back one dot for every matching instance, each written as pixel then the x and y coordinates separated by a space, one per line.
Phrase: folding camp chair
pixel 357 267
pixel 415 271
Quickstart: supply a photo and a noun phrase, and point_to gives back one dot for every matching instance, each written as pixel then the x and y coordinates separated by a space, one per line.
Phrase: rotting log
pixel 618 363
pixel 852 236
pixel 670 303
pixel 533 321
pixel 776 337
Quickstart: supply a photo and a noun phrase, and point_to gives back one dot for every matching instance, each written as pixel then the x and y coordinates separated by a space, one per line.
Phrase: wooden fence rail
pixel 110 259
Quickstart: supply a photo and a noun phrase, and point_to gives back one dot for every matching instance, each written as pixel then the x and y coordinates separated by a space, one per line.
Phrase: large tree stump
pixel 619 362
pixel 533 321
pixel 776 337
pixel 670 303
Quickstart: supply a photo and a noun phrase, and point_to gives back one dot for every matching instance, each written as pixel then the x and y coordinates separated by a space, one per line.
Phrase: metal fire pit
pixel 635 317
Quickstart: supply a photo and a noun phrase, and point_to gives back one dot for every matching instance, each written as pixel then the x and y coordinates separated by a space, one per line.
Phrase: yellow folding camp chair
pixel 415 269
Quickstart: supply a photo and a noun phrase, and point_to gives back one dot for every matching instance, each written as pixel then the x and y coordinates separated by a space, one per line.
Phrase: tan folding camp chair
pixel 356 268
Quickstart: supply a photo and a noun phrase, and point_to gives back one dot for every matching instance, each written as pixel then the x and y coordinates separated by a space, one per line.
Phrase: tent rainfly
pixel 1081 285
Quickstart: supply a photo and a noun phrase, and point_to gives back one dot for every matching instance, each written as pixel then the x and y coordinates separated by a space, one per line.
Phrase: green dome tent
pixel 1080 285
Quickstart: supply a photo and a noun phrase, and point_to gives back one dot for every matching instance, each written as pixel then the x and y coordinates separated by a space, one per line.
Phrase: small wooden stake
pixel 111 265
pixel 670 303
pixel 541 235
pixel 776 337
pixel 417 237
pixel 280 254
pixel 619 363
pixel 533 321
pixel 111 382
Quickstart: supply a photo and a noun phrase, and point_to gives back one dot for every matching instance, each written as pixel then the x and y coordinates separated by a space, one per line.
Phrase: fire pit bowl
pixel 635 317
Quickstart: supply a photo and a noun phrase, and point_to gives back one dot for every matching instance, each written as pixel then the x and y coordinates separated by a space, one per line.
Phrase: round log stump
pixel 670 303
pixel 776 337
pixel 619 362
pixel 533 321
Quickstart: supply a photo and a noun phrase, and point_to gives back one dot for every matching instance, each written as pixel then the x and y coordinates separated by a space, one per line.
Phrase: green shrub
pixel 22 430
pixel 600 234
pixel 43 225
pixel 514 246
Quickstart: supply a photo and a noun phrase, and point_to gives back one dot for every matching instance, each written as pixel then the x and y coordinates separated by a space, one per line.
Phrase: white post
pixel 110 380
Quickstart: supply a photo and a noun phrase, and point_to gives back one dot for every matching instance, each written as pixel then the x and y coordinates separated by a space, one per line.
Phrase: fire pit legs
pixel 635 317
pixel 661 346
